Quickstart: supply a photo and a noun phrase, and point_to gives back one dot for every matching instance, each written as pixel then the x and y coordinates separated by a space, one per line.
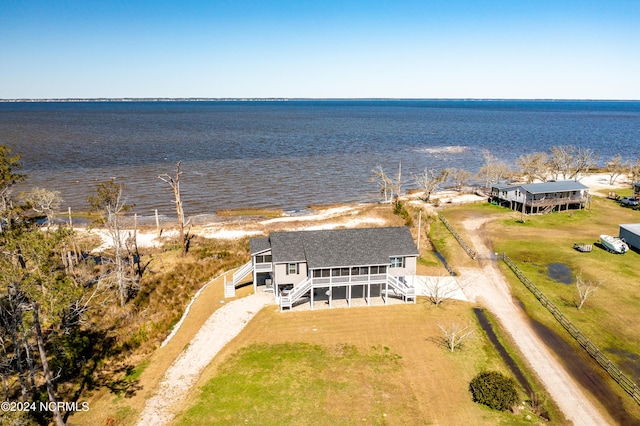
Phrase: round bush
pixel 495 390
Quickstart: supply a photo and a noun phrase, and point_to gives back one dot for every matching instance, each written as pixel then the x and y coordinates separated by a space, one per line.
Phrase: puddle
pixel 628 362
pixel 560 272
pixel 488 330
pixel 587 373
pixel 442 259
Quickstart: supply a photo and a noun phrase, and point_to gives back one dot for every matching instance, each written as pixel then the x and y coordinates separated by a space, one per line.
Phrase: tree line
pixel 50 284
pixel 565 162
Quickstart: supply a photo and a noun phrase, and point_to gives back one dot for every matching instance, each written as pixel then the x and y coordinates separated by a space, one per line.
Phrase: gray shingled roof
pixel 341 247
pixel 257 245
pixel 287 246
pixel 555 186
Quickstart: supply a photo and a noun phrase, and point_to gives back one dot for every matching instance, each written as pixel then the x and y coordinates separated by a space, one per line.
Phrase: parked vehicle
pixel 629 201
pixel 614 244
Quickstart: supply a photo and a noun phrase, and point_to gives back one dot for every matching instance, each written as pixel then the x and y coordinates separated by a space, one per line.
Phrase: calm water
pixel 288 154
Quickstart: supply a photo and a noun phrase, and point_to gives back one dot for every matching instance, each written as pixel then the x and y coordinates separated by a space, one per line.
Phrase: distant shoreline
pixel 250 99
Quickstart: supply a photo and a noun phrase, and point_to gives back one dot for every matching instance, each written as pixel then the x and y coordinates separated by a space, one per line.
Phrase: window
pixel 321 273
pixel 292 269
pixel 265 258
pixel 378 269
pixel 397 262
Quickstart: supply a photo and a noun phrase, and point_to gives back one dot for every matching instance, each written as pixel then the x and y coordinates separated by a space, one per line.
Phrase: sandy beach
pixel 344 216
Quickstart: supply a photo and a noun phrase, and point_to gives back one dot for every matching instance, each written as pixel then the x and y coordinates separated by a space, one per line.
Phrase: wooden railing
pixel 471 252
pixel 242 272
pixel 350 279
pixel 555 201
pixel 229 288
pixel 627 384
pixel 263 267
pixel 291 296
pixel 618 376
pixel 408 292
pixel 238 275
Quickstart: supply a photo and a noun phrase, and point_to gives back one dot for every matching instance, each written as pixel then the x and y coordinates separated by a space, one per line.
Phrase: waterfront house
pixel 541 197
pixel 332 265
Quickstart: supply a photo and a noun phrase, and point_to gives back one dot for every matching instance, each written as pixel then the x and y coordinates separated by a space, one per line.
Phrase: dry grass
pixel 124 409
pixel 430 384
pixel 426 368
pixel 250 213
pixel 609 317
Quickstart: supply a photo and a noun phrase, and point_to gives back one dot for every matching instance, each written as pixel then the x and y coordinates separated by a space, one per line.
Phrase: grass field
pixel 384 365
pixel 609 316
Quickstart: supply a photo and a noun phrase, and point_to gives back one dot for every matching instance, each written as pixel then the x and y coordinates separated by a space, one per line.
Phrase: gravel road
pixel 217 331
pixel 487 286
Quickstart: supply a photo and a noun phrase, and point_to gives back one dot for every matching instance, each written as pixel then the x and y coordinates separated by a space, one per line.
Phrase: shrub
pixel 401 210
pixel 495 390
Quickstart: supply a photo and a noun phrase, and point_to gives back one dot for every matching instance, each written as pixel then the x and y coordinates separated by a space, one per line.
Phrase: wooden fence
pixel 471 252
pixel 627 384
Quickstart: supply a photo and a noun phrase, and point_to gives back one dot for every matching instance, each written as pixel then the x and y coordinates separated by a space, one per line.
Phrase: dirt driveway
pixel 487 286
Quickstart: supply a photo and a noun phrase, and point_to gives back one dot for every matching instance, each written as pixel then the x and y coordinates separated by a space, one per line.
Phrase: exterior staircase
pixel 287 300
pixel 402 289
pixel 547 209
pixel 239 275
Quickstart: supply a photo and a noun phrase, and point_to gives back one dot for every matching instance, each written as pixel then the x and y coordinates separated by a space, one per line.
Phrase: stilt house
pixel 329 265
pixel 541 197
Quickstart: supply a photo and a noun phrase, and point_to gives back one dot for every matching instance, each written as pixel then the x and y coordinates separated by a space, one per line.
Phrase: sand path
pixel 488 286
pixel 221 327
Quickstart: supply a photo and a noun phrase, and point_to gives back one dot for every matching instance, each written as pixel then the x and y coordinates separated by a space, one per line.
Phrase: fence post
pixel 614 372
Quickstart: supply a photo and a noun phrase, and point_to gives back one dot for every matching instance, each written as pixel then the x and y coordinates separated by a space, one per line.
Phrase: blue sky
pixel 562 49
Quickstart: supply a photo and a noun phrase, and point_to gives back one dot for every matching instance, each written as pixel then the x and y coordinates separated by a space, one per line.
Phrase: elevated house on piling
pixel 542 197
pixel 333 266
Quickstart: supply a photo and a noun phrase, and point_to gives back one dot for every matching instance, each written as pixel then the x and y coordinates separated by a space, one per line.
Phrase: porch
pixel 544 205
pixel 346 291
pixel 345 297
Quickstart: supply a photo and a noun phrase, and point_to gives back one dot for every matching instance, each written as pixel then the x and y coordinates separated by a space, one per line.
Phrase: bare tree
pixel 458 176
pixel 429 182
pixel 174 183
pixel 585 289
pixel 384 182
pixel 569 161
pixel 616 168
pixel 533 166
pixel 455 334
pixel 634 172
pixel 51 392
pixel 493 170
pixel 109 202
pixel 441 289
pixel 584 160
pixel 560 161
pixel 44 201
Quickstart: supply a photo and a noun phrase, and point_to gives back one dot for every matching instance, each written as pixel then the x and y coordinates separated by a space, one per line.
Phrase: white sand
pixel 344 215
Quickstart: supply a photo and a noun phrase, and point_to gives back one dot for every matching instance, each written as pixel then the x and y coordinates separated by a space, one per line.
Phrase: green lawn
pixel 301 383
pixel 609 316
pixel 378 365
